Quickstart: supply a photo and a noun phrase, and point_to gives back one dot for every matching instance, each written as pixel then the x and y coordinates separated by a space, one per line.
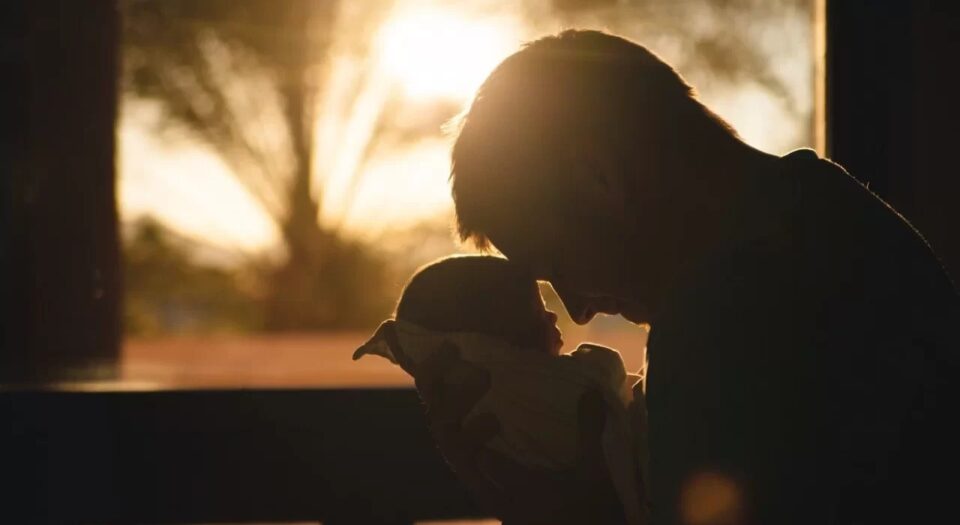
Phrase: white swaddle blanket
pixel 535 397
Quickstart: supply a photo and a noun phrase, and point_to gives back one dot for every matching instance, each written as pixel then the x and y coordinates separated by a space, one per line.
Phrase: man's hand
pixel 515 493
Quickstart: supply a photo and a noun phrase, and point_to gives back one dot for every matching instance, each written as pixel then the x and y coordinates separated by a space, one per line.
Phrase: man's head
pixel 559 157
pixel 483 294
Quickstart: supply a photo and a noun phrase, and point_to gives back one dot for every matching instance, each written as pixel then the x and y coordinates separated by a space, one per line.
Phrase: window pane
pixel 283 165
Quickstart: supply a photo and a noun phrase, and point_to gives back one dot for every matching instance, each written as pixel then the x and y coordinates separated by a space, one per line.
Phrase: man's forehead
pixel 527 249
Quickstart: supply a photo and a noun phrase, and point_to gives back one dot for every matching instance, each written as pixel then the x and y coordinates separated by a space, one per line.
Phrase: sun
pixel 441 53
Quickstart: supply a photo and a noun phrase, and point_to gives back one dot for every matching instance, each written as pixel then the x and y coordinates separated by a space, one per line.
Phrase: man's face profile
pixel 546 167
pixel 585 263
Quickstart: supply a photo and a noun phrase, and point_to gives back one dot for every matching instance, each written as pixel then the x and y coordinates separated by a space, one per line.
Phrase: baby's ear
pixel 388 332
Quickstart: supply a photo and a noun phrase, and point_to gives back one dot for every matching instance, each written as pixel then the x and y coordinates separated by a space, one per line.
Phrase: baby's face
pixel 546 326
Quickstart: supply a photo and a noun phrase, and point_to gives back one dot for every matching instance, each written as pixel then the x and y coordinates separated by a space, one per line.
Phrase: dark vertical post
pixel 867 99
pixel 892 108
pixel 60 283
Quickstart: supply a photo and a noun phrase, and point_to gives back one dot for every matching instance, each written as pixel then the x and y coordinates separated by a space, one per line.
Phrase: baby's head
pixel 483 294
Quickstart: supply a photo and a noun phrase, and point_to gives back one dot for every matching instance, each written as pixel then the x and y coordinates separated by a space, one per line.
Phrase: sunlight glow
pixel 424 54
pixel 402 187
pixel 443 53
pixel 186 186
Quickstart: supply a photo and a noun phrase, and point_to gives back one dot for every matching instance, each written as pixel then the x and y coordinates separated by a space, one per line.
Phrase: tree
pixel 169 291
pixel 245 77
pixel 725 42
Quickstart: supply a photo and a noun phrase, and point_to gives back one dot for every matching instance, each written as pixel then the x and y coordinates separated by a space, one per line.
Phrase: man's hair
pixel 558 92
pixel 471 293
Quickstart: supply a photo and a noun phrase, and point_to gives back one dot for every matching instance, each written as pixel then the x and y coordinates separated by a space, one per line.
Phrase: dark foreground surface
pixel 340 456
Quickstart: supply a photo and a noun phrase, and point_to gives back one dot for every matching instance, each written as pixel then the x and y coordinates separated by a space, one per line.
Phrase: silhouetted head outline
pixel 550 107
pixel 477 293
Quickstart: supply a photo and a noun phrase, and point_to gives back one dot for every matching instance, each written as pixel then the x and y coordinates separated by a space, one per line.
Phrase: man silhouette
pixel 803 334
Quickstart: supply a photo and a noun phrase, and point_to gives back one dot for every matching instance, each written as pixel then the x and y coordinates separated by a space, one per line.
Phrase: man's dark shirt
pixel 813 365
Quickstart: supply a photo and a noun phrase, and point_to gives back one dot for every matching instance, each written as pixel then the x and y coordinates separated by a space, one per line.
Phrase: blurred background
pixel 282 164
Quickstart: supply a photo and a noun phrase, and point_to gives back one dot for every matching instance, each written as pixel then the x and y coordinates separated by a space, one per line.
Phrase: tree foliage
pixel 244 77
pixel 169 291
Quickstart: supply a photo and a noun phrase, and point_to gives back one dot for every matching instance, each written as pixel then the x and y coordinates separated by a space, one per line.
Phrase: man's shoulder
pixel 841 256
pixel 843 221
pixel 802 154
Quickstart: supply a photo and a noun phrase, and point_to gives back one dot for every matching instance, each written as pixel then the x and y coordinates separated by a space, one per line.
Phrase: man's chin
pixel 636 314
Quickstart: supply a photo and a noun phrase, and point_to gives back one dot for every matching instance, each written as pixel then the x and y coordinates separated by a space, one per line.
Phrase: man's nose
pixel 578 307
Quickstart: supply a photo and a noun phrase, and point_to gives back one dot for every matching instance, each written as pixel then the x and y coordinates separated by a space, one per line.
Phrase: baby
pixel 493 312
